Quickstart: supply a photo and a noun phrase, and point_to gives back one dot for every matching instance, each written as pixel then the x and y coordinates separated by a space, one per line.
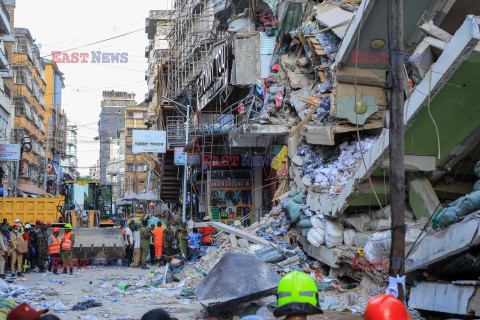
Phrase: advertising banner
pixel 149 141
pixel 230 196
pixel 9 152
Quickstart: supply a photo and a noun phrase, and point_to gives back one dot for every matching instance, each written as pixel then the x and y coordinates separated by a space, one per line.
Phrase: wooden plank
pixel 237 232
pixel 300 125
pixel 306 100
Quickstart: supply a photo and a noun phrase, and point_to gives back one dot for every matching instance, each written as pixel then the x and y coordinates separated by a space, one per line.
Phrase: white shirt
pixel 128 232
pixel 136 239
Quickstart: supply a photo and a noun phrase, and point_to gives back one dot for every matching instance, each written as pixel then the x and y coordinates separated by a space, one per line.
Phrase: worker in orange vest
pixel 54 251
pixel 158 241
pixel 68 240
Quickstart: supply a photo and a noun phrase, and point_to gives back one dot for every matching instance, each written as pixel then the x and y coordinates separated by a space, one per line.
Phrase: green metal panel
pixel 456 111
pixel 368 198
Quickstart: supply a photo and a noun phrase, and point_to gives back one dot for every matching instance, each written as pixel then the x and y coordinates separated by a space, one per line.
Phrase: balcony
pixel 5 28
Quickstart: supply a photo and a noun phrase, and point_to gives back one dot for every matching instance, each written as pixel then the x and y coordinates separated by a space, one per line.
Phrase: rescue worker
pixel 385 307
pixel 42 241
pixel 19 223
pixel 66 247
pixel 158 241
pixel 144 244
pixel 26 260
pixel 168 241
pixel 54 251
pixel 182 241
pixel 15 238
pixel 4 249
pixel 297 297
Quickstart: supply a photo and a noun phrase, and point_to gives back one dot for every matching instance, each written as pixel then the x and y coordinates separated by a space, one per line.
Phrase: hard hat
pixel 67 226
pixel 28 226
pixel 385 307
pixel 38 220
pixel 56 229
pixel 297 294
pixel 14 225
pixel 17 220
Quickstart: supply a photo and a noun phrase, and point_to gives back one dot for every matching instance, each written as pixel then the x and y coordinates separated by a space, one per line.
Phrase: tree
pixel 84 178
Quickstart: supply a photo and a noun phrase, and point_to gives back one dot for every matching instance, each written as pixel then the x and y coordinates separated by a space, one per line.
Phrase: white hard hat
pixel 28 226
pixel 17 220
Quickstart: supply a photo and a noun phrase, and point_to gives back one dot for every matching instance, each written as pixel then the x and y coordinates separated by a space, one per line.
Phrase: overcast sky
pixel 66 24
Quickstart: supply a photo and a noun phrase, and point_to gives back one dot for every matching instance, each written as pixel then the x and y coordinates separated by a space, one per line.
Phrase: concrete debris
pixel 233 241
pixel 232 281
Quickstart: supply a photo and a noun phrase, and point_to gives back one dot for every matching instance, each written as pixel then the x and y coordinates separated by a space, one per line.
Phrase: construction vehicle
pixel 88 208
pixel 31 209
pixel 88 204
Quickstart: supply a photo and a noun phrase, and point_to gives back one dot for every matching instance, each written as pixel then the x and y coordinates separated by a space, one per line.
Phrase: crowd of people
pixel 159 244
pixel 24 248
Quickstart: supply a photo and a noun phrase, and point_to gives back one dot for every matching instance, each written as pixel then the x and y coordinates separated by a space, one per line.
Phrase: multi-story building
pixel 55 122
pixel 94 171
pixel 116 165
pixel 136 165
pixel 112 121
pixel 69 164
pixel 29 101
pixel 7 111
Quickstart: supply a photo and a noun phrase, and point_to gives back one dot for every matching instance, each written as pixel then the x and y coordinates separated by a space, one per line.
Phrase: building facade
pixel 112 121
pixel 7 111
pixel 69 164
pixel 29 101
pixel 136 165
pixel 116 165
pixel 55 122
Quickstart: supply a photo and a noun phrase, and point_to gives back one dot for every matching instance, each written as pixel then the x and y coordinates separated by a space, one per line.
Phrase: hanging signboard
pixel 9 152
pixel 179 157
pixel 230 196
pixel 149 141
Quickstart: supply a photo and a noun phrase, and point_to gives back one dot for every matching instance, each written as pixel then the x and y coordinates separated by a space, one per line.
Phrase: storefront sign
pixel 149 141
pixel 9 152
pixel 231 198
pixel 179 157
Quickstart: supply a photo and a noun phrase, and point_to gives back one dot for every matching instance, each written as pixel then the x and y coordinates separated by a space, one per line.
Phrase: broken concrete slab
pixel 297 160
pixel 360 76
pixel 237 232
pixel 319 135
pixel 458 297
pixel 457 238
pixel 422 198
pixel 292 144
pixel 231 281
pixel 432 30
pixel 233 241
pixel 414 163
pixel 307 181
pixel 299 105
pixel 243 243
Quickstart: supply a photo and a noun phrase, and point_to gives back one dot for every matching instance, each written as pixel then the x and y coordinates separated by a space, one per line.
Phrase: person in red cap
pixel 54 251
pixel 25 312
pixel 385 307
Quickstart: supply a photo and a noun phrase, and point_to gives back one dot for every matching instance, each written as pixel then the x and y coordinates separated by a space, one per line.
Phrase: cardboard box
pixel 22 246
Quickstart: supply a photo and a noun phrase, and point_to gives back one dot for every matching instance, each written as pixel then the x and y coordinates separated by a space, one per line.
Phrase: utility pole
pixel 47 151
pixel 185 170
pixel 148 177
pixel 397 128
pixel 136 176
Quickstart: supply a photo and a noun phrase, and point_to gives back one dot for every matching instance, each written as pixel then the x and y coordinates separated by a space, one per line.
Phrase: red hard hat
pixel 385 307
pixel 38 220
pixel 56 229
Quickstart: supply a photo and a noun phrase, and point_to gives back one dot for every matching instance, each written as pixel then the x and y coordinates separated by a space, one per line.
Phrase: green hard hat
pixel 67 226
pixel 297 294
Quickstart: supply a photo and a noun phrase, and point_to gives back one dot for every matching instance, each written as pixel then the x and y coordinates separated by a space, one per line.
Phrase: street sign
pixel 149 141
pixel 10 152
pixel 179 157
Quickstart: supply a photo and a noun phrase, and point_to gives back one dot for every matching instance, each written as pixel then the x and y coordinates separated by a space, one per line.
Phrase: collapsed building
pixel 290 109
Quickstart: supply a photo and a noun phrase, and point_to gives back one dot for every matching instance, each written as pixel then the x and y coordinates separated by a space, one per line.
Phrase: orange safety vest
pixel 66 242
pixel 55 246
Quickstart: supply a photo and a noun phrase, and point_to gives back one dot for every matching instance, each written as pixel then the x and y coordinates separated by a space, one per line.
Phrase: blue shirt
pixel 194 240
